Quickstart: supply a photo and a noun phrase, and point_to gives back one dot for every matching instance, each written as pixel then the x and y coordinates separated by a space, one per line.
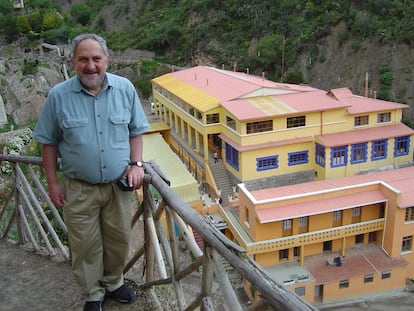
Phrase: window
pixel 369 278
pixel 337 218
pixel 356 214
pixel 344 284
pixel 199 115
pixel 295 158
pixel 287 227
pixel 267 163
pixel 358 153
pixel 300 291
pixel 339 156
pixel 409 214
pixel 284 254
pixel 296 251
pixel 230 123
pixel 213 118
pixel 361 120
pixel 407 243
pixel 258 127
pixel 402 145
pixel 232 156
pixel 303 224
pixel 320 154
pixel 379 149
pixel 386 274
pixel 295 122
pixel 384 117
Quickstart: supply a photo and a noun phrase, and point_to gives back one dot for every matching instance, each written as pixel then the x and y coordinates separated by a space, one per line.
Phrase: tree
pixel 52 20
pixel 23 24
pixel 81 13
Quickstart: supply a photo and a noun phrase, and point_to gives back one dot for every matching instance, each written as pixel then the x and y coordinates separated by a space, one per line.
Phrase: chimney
pixel 366 84
pixel 222 66
pixel 247 70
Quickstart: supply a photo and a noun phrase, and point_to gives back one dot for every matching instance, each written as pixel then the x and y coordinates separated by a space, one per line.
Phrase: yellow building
pixel 331 239
pixel 263 129
pixel 348 231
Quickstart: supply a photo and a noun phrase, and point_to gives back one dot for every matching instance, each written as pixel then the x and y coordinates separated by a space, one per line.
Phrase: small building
pixel 332 239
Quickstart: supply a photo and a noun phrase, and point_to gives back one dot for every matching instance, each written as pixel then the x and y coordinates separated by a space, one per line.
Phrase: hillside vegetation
pixel 324 43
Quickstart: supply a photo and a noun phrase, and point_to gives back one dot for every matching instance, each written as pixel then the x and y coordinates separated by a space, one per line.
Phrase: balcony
pixel 299 239
pixel 27 210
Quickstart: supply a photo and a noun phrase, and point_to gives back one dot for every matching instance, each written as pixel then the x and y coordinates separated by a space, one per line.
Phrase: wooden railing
pixel 28 213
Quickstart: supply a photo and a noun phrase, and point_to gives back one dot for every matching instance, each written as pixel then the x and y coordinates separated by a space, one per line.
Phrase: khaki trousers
pixel 98 218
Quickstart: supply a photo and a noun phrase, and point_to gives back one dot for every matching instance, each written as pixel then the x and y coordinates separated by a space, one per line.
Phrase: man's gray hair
pixel 78 39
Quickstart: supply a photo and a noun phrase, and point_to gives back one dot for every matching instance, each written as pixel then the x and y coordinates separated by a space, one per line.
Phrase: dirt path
pixel 32 282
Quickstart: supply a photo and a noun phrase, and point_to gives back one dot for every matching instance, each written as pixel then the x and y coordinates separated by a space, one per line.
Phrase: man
pixel 94 122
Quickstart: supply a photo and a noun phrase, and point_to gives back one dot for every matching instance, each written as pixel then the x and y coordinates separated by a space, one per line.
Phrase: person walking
pixel 94 122
pixel 215 156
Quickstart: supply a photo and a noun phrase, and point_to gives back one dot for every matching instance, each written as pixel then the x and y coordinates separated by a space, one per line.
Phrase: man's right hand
pixel 56 194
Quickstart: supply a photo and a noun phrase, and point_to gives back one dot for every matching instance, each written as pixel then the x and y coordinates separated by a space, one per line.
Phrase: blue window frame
pixel 320 154
pixel 300 157
pixel 232 156
pixel 379 149
pixel 267 163
pixel 401 146
pixel 339 156
pixel 358 153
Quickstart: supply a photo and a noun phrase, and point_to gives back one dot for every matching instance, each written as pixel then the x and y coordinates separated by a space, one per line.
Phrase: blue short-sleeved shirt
pixel 92 132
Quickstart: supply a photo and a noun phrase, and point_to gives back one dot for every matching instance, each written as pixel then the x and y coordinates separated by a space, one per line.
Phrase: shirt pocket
pixel 75 131
pixel 120 130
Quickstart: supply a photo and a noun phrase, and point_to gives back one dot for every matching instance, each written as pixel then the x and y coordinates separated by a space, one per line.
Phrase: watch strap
pixel 136 163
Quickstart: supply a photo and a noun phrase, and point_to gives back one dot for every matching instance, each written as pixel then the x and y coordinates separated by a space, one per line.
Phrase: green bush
pixel 144 86
pixel 30 67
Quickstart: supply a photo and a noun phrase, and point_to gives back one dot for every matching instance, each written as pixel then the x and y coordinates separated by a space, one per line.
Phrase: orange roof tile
pixel 360 260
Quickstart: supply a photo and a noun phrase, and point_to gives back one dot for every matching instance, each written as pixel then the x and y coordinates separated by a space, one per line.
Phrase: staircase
pixel 222 179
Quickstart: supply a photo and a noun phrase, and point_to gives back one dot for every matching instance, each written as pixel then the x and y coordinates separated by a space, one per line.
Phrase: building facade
pixel 332 239
pixel 348 232
pixel 264 129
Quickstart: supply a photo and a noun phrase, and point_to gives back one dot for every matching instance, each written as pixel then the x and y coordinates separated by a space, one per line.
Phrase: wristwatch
pixel 136 163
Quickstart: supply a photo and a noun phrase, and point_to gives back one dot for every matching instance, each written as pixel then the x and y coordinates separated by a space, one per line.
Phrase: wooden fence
pixel 28 211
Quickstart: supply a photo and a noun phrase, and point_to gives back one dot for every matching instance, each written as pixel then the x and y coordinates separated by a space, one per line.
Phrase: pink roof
pixel 364 135
pixel 402 180
pixel 311 101
pixel 283 104
pixel 238 92
pixel 313 207
pixel 228 85
pixel 359 104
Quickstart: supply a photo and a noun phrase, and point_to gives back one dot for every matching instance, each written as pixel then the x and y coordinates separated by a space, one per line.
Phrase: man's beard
pixel 93 83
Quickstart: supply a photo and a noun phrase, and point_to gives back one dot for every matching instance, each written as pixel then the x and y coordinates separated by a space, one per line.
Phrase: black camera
pixel 123 184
